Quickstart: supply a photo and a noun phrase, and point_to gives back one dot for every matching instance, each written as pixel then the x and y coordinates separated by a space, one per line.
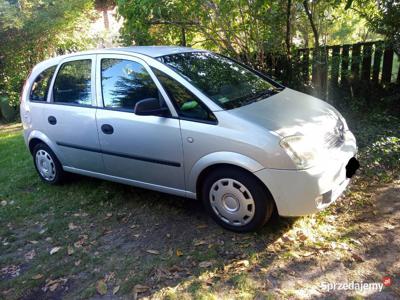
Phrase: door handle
pixel 107 129
pixel 52 120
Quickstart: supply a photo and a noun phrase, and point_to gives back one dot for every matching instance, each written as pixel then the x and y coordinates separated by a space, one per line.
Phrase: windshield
pixel 224 81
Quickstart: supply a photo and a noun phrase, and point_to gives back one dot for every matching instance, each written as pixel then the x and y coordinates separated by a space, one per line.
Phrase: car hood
pixel 291 113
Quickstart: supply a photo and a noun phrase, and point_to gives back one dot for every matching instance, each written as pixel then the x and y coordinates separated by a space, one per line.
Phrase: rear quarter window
pixel 73 83
pixel 40 87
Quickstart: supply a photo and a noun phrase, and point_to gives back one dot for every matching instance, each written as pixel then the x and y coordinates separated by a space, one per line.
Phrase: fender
pixel 41 136
pixel 223 157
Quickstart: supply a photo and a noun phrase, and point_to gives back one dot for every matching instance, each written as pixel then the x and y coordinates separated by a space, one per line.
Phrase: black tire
pixel 59 172
pixel 263 200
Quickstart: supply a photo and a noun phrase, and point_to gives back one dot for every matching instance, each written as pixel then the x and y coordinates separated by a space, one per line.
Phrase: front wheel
pixel 236 199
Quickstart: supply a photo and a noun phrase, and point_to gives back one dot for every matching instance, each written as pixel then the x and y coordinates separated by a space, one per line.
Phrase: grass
pixel 104 231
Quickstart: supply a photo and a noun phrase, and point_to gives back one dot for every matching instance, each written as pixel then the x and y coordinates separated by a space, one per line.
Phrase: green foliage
pixel 383 17
pixel 31 31
pixel 378 138
pixel 232 27
pixel 248 30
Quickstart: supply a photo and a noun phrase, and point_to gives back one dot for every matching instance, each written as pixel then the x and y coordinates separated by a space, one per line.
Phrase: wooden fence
pixel 361 64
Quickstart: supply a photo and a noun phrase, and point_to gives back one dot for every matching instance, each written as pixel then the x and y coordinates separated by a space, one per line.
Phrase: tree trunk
pixel 183 37
pixel 288 41
pixel 288 25
pixel 317 59
pixel 105 18
pixel 311 20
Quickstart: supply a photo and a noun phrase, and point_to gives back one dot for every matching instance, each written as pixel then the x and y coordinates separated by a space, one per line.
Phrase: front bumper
pixel 302 192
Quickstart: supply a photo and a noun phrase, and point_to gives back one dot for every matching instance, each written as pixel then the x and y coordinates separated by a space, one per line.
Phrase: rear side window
pixel 73 83
pixel 124 83
pixel 187 105
pixel 40 87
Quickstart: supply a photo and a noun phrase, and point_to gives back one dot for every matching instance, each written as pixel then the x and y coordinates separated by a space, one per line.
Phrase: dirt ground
pixel 283 262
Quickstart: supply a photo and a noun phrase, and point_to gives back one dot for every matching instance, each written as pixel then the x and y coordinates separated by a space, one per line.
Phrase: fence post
pixel 315 67
pixel 398 75
pixel 387 65
pixel 344 76
pixel 335 65
pixel 306 63
pixel 324 72
pixel 377 62
pixel 355 62
pixel 366 62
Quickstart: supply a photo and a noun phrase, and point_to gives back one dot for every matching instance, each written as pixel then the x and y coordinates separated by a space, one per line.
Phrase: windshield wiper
pixel 260 95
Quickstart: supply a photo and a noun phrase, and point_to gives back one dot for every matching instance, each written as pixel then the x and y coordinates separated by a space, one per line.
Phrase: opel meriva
pixel 190 123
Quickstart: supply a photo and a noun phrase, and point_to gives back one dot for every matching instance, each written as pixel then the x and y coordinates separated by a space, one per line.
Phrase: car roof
pixel 155 51
pixel 151 51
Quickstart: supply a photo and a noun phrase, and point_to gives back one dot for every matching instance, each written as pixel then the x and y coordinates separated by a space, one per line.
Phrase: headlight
pixel 304 151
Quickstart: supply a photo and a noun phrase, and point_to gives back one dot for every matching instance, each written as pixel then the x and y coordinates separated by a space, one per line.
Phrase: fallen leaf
pixel 301 236
pixel 139 288
pixel 244 263
pixel 108 215
pixel 54 250
pixel 80 215
pixel 356 242
pixel 389 226
pixel 71 226
pixel 175 269
pixel 33 242
pixel 306 254
pixel 77 263
pixel 54 286
pixel 198 243
pixel 201 226
pixel 179 252
pixel 205 264
pixel 115 290
pixel 70 250
pixel 153 252
pixel 357 257
pixel 101 287
pixel 30 255
pixel 3 203
pixel 37 276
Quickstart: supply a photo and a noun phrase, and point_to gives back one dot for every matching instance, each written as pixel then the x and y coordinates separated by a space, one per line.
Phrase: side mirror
pixel 150 107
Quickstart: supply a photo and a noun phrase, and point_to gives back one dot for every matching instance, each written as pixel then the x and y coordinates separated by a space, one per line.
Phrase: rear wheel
pixel 236 199
pixel 47 165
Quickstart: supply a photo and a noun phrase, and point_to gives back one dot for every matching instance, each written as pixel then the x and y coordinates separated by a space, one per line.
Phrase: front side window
pixel 73 83
pixel 124 83
pixel 224 81
pixel 186 104
pixel 40 86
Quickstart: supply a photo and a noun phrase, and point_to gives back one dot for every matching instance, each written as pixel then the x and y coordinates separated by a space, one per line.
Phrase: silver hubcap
pixel 45 165
pixel 232 202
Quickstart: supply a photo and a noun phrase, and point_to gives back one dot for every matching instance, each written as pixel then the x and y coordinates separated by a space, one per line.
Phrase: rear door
pixel 145 149
pixel 70 115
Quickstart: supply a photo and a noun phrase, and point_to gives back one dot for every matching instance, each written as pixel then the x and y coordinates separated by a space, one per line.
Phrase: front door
pixel 144 149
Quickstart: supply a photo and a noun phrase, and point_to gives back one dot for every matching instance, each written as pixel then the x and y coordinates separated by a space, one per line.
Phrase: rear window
pixel 40 87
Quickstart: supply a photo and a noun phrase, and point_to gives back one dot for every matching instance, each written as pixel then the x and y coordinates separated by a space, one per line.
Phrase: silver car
pixel 190 123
